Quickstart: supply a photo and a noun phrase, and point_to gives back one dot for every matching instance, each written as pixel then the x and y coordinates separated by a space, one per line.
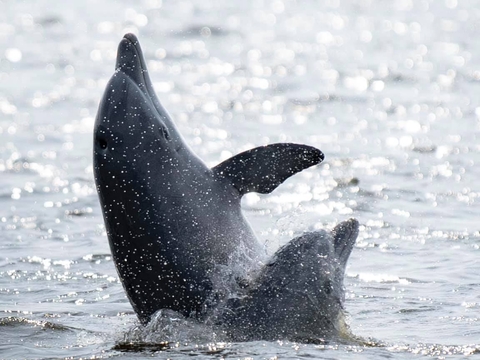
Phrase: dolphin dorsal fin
pixel 263 168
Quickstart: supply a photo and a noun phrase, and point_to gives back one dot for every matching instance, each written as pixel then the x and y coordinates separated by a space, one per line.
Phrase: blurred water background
pixel 388 90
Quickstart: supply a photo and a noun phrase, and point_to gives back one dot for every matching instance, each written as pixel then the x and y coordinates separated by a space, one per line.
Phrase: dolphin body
pixel 173 223
pixel 176 229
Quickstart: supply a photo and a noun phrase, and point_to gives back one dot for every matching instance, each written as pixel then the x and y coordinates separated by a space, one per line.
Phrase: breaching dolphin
pixel 172 222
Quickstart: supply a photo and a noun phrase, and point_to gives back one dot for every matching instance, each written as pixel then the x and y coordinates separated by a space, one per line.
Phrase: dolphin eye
pixel 103 143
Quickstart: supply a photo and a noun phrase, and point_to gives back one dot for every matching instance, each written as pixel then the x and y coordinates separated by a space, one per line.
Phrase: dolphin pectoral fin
pixel 263 168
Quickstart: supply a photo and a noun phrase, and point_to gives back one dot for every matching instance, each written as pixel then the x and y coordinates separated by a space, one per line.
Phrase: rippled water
pixel 387 89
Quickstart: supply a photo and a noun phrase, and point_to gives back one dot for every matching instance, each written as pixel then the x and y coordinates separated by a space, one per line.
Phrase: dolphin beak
pixel 130 60
pixel 345 235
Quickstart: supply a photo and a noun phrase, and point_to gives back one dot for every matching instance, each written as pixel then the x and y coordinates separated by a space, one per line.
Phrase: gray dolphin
pixel 171 221
pixel 299 293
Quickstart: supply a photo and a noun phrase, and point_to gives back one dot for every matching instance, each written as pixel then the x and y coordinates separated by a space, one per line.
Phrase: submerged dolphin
pixel 172 222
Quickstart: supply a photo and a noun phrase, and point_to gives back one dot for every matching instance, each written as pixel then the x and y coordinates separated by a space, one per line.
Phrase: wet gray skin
pixel 171 221
pixel 299 294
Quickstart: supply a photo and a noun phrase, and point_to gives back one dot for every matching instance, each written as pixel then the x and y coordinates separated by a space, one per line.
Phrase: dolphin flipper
pixel 263 168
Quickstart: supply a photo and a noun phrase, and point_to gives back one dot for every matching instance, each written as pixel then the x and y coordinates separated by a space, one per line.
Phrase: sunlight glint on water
pixel 387 90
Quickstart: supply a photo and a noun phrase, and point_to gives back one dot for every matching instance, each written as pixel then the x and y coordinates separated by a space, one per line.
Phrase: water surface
pixel 388 90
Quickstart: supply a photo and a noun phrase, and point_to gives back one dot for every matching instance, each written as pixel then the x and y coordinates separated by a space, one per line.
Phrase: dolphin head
pixel 131 124
pixel 311 269
pixel 135 139
pixel 299 295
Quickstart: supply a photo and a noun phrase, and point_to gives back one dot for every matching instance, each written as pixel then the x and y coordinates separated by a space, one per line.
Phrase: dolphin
pixel 299 294
pixel 174 224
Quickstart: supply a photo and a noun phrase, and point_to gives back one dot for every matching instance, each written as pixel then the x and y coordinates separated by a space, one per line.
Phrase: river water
pixel 388 90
